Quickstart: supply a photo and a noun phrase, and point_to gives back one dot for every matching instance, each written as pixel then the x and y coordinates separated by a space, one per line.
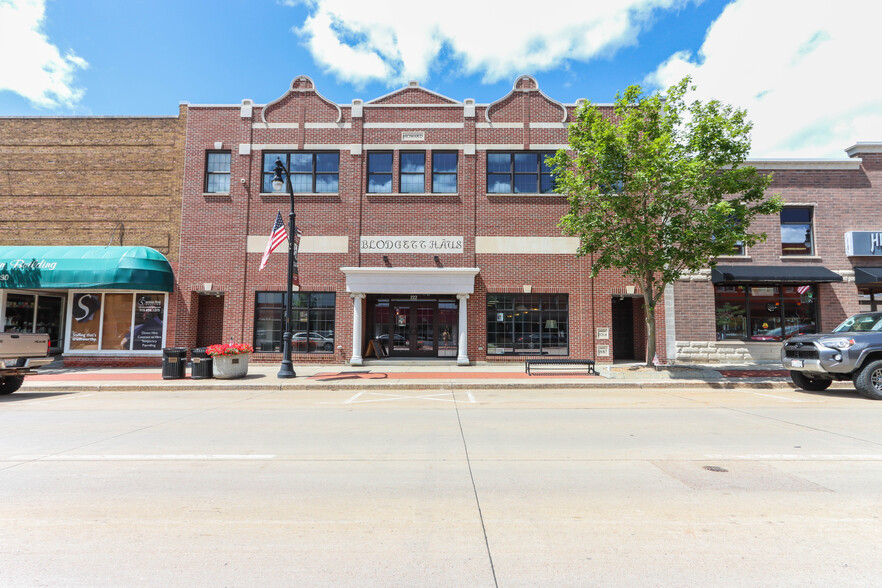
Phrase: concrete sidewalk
pixel 420 375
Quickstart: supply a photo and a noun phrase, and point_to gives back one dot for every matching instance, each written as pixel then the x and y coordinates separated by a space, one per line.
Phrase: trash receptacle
pixel 201 364
pixel 174 360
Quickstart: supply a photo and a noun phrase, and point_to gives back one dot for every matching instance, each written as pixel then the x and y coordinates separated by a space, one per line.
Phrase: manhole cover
pixel 715 469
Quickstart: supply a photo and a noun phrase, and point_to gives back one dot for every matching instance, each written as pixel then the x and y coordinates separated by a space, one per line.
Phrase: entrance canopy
pixel 106 268
pixel 868 275
pixel 410 280
pixel 773 274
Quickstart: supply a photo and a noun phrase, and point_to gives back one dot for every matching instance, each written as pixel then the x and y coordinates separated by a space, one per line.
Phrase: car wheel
pixel 329 346
pixel 10 384
pixel 868 380
pixel 810 384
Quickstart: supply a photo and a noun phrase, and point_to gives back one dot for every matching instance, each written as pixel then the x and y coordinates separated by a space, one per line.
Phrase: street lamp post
pixel 287 368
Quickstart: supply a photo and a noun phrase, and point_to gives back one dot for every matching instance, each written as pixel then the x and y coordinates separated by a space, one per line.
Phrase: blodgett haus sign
pixel 411 244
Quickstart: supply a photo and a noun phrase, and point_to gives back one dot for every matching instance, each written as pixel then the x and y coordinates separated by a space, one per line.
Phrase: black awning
pixel 868 275
pixel 773 274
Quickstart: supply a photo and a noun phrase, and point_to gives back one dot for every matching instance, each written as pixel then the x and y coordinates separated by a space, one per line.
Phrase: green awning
pixel 105 268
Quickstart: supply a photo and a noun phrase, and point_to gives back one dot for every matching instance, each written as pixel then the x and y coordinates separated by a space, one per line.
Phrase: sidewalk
pixel 414 375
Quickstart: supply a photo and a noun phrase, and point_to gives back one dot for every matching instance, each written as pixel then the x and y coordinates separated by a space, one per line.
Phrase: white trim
pixel 804 164
pixel 499 125
pixel 415 125
pixel 327 125
pixel 412 146
pixel 869 147
pixel 369 105
pixel 308 244
pixel 368 194
pixel 288 125
pixel 549 125
pixel 527 245
pixel 410 280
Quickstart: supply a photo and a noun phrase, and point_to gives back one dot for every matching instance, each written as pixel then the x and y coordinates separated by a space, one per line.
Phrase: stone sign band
pixel 411 244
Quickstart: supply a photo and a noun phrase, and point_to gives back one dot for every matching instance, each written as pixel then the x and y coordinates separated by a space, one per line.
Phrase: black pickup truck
pixel 852 351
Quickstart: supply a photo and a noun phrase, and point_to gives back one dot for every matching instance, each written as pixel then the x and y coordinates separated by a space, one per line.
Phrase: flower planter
pixel 227 367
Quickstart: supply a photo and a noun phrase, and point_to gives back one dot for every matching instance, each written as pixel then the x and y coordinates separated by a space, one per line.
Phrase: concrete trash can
pixel 174 360
pixel 200 364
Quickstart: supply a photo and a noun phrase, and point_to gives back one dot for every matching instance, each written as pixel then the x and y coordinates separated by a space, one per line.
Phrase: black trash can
pixel 201 364
pixel 174 360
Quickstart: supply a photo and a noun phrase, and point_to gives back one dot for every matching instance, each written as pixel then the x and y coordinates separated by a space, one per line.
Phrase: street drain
pixel 715 469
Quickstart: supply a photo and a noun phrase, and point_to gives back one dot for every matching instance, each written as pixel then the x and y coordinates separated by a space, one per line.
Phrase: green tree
pixel 659 189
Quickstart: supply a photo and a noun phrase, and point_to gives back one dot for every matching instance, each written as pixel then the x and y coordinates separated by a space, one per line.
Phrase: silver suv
pixel 853 351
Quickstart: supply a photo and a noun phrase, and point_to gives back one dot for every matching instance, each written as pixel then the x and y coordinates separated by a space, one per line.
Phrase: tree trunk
pixel 649 310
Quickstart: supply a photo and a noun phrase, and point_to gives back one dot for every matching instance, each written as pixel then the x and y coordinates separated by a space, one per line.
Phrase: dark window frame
pixel 209 174
pixel 810 242
pixel 545 314
pixel 455 174
pixel 390 173
pixel 311 320
pixel 781 305
pixel 270 157
pixel 402 173
pixel 513 174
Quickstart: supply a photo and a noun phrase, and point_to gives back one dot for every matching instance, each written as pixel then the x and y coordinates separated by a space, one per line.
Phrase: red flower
pixel 231 349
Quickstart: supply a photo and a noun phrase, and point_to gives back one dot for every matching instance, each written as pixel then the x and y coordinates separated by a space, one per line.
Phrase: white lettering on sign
pixel 20 264
pixel 411 244
pixel 875 241
pixel 413 135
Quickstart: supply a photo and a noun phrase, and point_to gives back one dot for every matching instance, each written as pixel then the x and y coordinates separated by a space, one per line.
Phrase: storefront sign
pixel 863 243
pixel 147 333
pixel 411 244
pixel 413 135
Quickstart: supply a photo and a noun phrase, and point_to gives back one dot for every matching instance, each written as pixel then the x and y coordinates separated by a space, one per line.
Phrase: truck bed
pixel 19 345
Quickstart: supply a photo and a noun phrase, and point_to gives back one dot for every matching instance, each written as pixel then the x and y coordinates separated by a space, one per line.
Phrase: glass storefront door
pixel 34 313
pixel 414 327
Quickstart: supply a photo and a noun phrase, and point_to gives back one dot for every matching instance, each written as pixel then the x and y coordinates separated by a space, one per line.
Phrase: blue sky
pixel 806 76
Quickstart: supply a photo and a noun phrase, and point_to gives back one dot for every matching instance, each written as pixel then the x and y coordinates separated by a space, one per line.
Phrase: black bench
pixel 563 365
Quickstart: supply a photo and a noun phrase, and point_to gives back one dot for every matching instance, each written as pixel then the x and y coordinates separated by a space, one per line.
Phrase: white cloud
pixel 29 64
pixel 806 73
pixel 399 40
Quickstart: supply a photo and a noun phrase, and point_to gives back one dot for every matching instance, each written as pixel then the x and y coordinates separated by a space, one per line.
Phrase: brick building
pixel 428 225
pixel 90 233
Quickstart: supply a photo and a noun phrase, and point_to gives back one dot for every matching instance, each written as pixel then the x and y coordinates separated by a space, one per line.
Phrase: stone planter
pixel 227 367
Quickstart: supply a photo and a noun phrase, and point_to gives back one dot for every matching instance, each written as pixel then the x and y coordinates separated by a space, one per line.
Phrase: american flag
pixel 278 236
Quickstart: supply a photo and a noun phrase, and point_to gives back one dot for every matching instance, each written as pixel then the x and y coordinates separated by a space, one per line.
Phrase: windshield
pixel 861 322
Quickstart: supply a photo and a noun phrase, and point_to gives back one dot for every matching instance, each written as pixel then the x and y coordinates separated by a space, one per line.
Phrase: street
pixel 599 487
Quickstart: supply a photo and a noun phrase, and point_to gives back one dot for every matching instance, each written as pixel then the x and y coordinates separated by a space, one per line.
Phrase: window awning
pixel 773 274
pixel 106 268
pixel 868 275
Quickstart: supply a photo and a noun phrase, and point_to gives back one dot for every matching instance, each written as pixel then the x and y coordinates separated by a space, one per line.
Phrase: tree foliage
pixel 659 189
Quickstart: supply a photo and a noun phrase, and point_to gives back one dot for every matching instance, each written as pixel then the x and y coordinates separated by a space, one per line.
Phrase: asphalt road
pixel 610 487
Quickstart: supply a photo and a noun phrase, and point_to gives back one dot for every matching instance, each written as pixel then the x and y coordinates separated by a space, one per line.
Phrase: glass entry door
pixel 413 329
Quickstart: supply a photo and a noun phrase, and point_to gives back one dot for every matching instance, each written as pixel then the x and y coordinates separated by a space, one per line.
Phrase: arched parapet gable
pixel 299 86
pixel 524 83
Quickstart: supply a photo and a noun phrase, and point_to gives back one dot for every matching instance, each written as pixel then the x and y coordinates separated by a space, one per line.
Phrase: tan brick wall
pixel 92 181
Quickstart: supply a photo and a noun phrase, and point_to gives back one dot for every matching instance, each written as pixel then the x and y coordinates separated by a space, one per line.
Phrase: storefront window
pixel 86 319
pixel 117 321
pixel 764 313
pixel 312 322
pixel 525 324
pixel 869 299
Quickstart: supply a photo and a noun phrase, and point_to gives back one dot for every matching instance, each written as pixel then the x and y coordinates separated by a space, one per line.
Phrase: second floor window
pixel 311 172
pixel 413 172
pixel 217 172
pixel 796 231
pixel 444 172
pixel 520 172
pixel 380 172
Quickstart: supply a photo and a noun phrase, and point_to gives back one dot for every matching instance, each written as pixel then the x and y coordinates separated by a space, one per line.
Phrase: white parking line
pixel 371 397
pixel 146 457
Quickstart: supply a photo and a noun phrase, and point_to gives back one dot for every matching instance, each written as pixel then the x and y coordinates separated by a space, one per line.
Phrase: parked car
pixel 398 341
pixel 852 351
pixel 791 331
pixel 315 341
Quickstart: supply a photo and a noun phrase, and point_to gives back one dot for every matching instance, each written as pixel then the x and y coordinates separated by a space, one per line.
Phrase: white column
pixel 356 329
pixel 462 356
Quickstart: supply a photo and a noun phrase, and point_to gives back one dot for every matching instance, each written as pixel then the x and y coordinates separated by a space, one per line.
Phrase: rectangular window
pixel 869 299
pixel 520 172
pixel 796 231
pixel 311 172
pixel 413 172
pixel 444 172
pixel 117 321
pixel 527 324
pixel 379 172
pixel 217 172
pixel 765 313
pixel 312 328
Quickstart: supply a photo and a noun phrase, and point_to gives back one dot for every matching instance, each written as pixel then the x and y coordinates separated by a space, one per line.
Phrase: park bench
pixel 559 366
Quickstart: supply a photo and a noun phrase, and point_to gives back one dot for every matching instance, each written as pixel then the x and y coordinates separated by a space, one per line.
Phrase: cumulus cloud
pixel 806 74
pixel 30 65
pixel 396 40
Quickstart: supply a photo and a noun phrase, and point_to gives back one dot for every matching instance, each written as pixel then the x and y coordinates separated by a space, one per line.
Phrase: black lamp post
pixel 287 368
